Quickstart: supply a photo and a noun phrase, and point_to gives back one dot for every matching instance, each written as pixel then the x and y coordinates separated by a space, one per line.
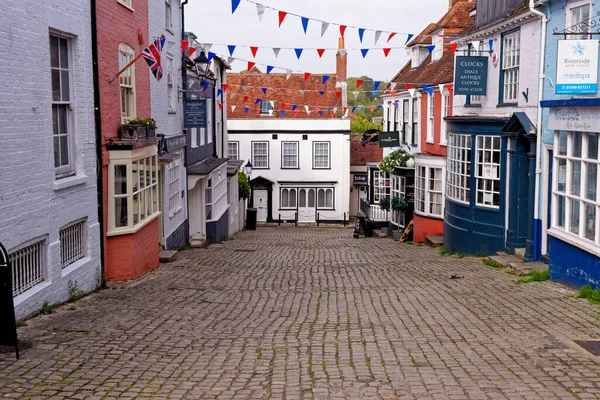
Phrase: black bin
pixel 251 219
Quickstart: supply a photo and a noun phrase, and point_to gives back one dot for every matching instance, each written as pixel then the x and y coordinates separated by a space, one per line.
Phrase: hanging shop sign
pixel 389 139
pixel 580 119
pixel 8 324
pixel 577 67
pixel 470 75
pixel 360 179
pixel 194 113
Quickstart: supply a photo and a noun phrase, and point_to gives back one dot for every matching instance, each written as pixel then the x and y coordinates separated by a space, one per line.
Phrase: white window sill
pixel 31 292
pixel 70 182
pixel 129 231
pixel 444 144
pixel 175 211
pixel 575 240
pixel 430 141
pixel 125 5
pixel 432 216
pixel 77 264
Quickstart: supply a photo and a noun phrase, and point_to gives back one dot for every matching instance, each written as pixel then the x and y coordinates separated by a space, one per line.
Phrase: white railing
pixel 72 243
pixel 28 266
pixel 373 211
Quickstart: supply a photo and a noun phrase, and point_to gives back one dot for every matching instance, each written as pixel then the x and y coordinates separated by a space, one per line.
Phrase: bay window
pixel 429 191
pixel 381 185
pixel 133 190
pixel 575 199
pixel 215 194
pixel 487 171
pixel 459 168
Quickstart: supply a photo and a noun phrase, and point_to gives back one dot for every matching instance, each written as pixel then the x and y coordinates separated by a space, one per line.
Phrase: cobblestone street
pixel 308 313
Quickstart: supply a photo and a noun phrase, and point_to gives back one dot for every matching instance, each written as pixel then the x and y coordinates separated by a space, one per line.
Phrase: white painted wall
pixel 401 97
pixel 335 131
pixel 168 121
pixel 33 203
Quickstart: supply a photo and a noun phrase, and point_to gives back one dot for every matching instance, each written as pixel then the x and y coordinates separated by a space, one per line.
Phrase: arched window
pixel 127 83
pixel 325 198
pixel 288 198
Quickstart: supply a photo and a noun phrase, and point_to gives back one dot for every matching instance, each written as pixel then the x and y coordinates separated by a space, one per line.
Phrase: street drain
pixel 591 346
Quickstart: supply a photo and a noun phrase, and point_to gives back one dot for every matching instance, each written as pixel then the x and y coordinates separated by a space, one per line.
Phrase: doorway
pixel 261 203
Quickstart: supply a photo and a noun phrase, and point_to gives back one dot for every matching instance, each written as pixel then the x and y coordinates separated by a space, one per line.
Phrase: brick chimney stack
pixel 341 62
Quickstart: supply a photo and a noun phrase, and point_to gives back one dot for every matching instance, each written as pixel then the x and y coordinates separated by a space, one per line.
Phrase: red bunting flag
pixel 338 94
pixel 191 51
pixel 345 110
pixel 372 108
pixel 296 113
pixel 358 83
pixel 453 47
pixel 224 86
pixel 282 15
pixel 342 30
pixel 391 36
pixel 320 51
pixel 408 86
pixel 393 92
pixel 253 49
pixel 220 106
pixel 257 111
pixel 246 99
pixel 386 52
pixel 306 75
pixel 250 65
pixel 184 45
pixel 283 106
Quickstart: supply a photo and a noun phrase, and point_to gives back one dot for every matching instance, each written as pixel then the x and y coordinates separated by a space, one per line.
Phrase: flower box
pixel 136 132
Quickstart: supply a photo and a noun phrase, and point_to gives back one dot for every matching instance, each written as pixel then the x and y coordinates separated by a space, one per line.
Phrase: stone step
pixel 520 253
pixel 197 244
pixel 434 241
pixel 167 256
pixel 377 233
pixel 522 268
pixel 501 253
pixel 506 260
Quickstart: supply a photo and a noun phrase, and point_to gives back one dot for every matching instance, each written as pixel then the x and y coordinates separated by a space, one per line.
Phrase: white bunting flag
pixel 230 60
pixel 233 94
pixel 343 52
pixel 276 50
pixel 208 46
pixel 244 88
pixel 475 45
pixel 355 95
pixel 412 92
pixel 334 110
pixel 324 26
pixel 233 108
pixel 377 35
pixel 302 91
pixel 307 110
pixel 442 86
pixel 288 73
pixel 190 83
pixel 392 85
pixel 260 9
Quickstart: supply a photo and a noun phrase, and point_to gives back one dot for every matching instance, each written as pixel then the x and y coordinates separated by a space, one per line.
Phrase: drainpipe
pixel 183 88
pixel 538 156
pixel 98 128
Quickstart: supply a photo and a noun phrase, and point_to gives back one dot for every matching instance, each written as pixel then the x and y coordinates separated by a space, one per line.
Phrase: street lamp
pixel 201 63
pixel 248 169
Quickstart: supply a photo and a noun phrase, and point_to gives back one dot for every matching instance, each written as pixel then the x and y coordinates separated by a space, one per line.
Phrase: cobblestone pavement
pixel 301 313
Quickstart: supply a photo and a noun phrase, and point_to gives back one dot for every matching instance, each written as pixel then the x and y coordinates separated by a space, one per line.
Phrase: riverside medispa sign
pixel 470 75
pixel 577 67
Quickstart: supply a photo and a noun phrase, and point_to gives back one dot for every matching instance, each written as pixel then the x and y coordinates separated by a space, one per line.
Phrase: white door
pixel 306 205
pixel 260 203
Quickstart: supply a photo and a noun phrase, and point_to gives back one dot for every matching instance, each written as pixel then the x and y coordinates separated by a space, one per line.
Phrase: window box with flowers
pixel 138 128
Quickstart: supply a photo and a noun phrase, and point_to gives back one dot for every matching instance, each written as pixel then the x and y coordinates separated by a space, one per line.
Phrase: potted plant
pixel 138 128
pixel 384 204
pixel 398 204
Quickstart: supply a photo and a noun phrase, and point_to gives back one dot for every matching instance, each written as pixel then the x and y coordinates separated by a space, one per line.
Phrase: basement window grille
pixel 72 243
pixel 28 264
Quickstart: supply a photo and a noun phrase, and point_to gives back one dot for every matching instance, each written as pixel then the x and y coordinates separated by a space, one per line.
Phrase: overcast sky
pixel 213 22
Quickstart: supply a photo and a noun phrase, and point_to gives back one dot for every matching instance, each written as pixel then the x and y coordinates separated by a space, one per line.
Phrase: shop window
pixel 459 168
pixel 429 191
pixel 260 155
pixel 575 192
pixel 288 198
pixel 511 60
pixel 487 171
pixel 381 185
pixel 325 198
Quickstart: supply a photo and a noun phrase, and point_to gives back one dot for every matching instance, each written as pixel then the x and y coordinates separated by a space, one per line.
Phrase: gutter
pixel 98 129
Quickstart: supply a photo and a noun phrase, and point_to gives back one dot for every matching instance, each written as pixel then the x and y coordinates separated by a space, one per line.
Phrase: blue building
pixel 569 200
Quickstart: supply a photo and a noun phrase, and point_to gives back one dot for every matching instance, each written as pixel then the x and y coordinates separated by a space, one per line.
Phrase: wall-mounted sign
pixel 577 67
pixel 581 119
pixel 470 75
pixel 173 143
pixel 389 139
pixel 359 179
pixel 194 113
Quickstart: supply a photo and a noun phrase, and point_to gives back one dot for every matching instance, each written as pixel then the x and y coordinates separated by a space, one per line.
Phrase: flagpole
pixel 115 76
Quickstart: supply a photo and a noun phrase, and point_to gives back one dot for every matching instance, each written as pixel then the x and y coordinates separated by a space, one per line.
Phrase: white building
pixel 164 17
pixel 300 168
pixel 48 201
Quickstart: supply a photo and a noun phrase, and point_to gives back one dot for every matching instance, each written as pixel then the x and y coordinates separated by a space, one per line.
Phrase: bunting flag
pixel 355 94
pixel 338 94
pixel 283 113
pixel 230 60
pixel 393 85
pixel 475 45
pixel 376 85
pixel 374 92
pixel 205 86
pixel 345 110
pixel 441 86
pixel 208 46
pixel 408 38
pixel 364 52
pixel 393 92
pixel 377 35
pixel 210 56
pixel 298 53
pixel 307 110
pixel 306 76
pixel 220 106
pixel 408 86
pixel 325 78
pixel 328 109
pixel 324 26
pixel 219 91
pixel 276 51
pixel 295 113
pixel 334 111
pixel 282 15
pixel 246 99
pixel 184 45
pixel 353 109
pixel 386 52
pixel 191 51
pixel 321 92
pixel 294 106
pixel 342 30
pixel 358 83
pixel 408 51
pixel 430 48
pixel 288 73
pixel 302 91
pixel 396 104
pixel 283 106
pixel 264 90
pixel 232 95
pixel 254 50
pixel 246 109
pixel 257 111
pixel 491 44
pixel 453 47
pixel 258 101
pixel 391 36
pixel 260 9
pixel 269 69
pixel 361 33
pixel 234 5
pixel 233 108
pixel 431 89
pixel 250 65
pixel 320 51
pixel 244 88
pixel 342 52
pixel 320 113
pixel 372 108
pixel 231 49
pixel 304 23
pixel 425 87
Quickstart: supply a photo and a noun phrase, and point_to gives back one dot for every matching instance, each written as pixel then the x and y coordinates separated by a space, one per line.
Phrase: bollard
pixel 344 220
pixel 296 222
pixel 279 219
pixel 318 218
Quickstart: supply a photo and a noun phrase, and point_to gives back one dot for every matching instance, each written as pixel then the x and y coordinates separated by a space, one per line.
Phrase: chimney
pixel 341 62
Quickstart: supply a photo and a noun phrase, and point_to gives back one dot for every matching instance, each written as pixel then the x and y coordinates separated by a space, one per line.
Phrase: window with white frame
pixel 209 122
pixel 487 170
pixel 325 198
pixel 429 191
pixel 438 42
pixel 389 116
pixel 28 266
pixel 396 113
pixel 445 113
pixel 289 198
pixel 266 107
pixel 416 57
pixel 289 154
pixel 260 155
pixel 215 194
pixel 381 185
pixel 171 92
pixel 72 243
pixel 576 204
pixel 62 126
pixel 398 190
pixel 415 120
pixel 133 190
pixel 168 15
pixel 127 83
pixel 321 155
pixel 511 60
pixel 233 150
pixel 578 15
pixel 430 117
pixel 174 182
pixel 459 168
pixel 405 121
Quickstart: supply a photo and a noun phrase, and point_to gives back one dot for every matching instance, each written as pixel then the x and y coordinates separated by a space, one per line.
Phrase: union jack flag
pixel 152 55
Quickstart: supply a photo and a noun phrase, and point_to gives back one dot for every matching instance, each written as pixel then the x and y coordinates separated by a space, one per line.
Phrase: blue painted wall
pixel 573 266
pixel 216 230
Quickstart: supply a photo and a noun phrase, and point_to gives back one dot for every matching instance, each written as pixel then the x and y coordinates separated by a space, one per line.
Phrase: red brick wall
pixel 426 227
pixel 360 155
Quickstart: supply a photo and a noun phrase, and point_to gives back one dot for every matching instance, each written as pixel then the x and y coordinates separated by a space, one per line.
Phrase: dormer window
pixel 416 57
pixel 438 41
pixel 266 107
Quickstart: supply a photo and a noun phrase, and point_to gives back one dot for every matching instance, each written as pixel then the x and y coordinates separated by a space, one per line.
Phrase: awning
pixel 519 123
pixel 206 166
pixel 167 158
pixel 233 166
pixel 573 102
